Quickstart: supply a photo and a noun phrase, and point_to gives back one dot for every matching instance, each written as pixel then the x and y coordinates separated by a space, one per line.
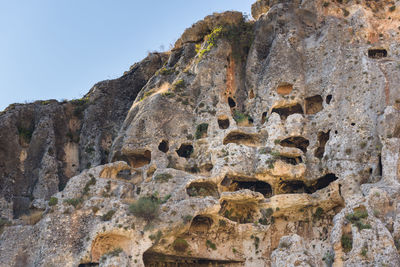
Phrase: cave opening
pixel 185 150
pixel 154 259
pixel 201 224
pixel 124 174
pixel 241 139
pixel 163 146
pixel 297 186
pixel 135 159
pixel 107 242
pixel 377 53
pixel 231 102
pixel 257 186
pixel 140 159
pixel 324 181
pixel 313 104
pixel 286 111
pixel 296 141
pixel 293 187
pixel 323 138
pixel 239 183
pixel 223 122
pixel 328 99
pixel 380 166
pixel 291 160
pixel 264 117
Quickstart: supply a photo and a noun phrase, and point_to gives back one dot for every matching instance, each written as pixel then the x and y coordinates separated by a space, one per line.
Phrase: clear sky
pixel 58 49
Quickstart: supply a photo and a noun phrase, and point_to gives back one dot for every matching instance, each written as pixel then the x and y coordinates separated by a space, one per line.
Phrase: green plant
pixel 165 199
pixel 180 245
pixel 91 182
pixel 201 130
pixel 239 116
pixel 163 177
pixel 73 201
pixel 165 71
pixel 211 245
pixel 360 225
pixel 376 213
pixel 80 102
pixel 270 163
pixel 89 149
pixel 347 242
pixel 198 48
pixel 329 258
pixel 53 201
pixel 222 223
pixel 168 94
pixel 275 154
pixel 80 106
pixel 45 102
pixel 156 237
pixel 113 253
pixel 240 36
pixel 179 84
pixel 356 219
pixel 25 133
pixel 364 251
pixel 108 216
pixel 146 208
pixel 211 41
pixel 318 213
pixel 392 8
pixel 146 94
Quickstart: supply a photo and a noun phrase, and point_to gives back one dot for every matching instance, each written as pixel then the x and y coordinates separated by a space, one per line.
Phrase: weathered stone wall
pixel 272 142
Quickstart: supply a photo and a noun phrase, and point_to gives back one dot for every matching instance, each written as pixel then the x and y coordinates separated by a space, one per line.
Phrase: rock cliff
pixel 264 142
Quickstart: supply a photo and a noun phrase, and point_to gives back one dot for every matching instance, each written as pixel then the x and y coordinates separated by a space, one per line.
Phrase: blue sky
pixel 58 49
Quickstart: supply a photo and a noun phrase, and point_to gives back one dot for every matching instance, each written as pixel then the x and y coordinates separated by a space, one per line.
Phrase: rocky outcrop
pixel 257 143
pixel 258 8
pixel 45 143
pixel 200 29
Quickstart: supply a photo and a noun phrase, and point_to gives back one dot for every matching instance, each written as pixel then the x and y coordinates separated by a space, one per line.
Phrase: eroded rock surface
pixel 272 142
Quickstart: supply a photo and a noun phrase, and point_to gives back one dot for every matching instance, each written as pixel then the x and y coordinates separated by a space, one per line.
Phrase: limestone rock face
pixel 273 142
pixel 258 8
pixel 200 29
pixel 45 143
